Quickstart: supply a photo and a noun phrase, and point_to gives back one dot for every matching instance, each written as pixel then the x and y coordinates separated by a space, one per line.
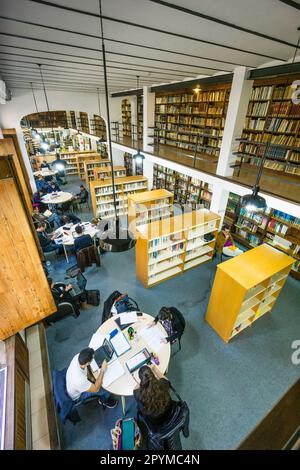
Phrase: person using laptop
pixel 82 383
pixel 82 240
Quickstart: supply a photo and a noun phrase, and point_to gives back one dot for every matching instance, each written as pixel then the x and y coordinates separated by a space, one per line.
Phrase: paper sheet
pixel 128 317
pixel 94 366
pixel 152 336
pixel 114 371
pixel 120 344
pixel 97 340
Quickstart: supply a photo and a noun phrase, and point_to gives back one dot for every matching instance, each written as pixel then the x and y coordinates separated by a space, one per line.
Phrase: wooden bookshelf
pixel 173 245
pixel 140 101
pixel 245 288
pixel 273 227
pixel 104 173
pixel 71 161
pixel 189 119
pixel 187 190
pixel 149 206
pixel 271 111
pixel 90 168
pixel 98 126
pixel 82 159
pixel 128 163
pixel 126 118
pixel 43 120
pixel 102 194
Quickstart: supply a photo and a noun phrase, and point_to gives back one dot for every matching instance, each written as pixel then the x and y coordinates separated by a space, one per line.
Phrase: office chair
pixel 224 256
pixel 63 310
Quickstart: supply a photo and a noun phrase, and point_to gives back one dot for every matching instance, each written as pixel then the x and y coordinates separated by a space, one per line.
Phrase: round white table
pixel 69 235
pixel 58 197
pixel 125 385
pixel 45 173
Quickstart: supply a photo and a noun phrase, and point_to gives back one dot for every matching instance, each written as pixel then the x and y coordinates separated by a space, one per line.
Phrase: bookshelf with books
pixel 86 158
pixel 188 119
pixel 71 162
pixel 126 118
pixel 128 163
pixel 140 117
pixel 102 194
pixel 98 126
pixel 255 280
pixel 187 190
pixel 272 118
pixel 173 245
pixel 91 166
pixel 273 227
pixel 149 206
pixel 104 173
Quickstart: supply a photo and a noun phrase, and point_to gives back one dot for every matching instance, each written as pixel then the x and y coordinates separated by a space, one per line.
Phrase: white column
pixel 25 156
pixel 237 109
pixel 219 201
pixel 148 117
pixel 148 172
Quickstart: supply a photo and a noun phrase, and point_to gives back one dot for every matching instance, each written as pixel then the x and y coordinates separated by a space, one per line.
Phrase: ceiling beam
pixel 291 3
pixel 226 78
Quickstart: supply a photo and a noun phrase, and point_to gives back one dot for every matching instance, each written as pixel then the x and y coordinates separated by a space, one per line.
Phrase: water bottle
pixel 49 267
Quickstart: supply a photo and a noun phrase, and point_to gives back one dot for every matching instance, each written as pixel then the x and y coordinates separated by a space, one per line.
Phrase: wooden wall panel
pixel 25 297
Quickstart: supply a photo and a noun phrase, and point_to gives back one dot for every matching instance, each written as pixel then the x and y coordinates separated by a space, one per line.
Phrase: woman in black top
pixel 153 395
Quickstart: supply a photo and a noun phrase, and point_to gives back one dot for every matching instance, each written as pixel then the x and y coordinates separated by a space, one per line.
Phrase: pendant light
pixel 253 202
pixel 56 145
pixel 138 157
pixel 116 238
pixel 34 132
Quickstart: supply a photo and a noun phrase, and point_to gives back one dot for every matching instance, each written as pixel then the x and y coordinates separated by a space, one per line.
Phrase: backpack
pixel 106 314
pixel 126 435
pixel 93 297
pixel 125 304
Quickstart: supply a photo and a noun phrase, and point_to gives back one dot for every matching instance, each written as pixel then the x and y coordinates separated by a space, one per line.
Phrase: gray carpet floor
pixel 228 387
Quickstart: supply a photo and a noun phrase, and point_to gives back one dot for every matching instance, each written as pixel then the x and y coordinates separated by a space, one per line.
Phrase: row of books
pixel 275 139
pixel 294 157
pixel 217 95
pixel 278 227
pixel 250 238
pixel 272 152
pixel 283 92
pixel 285 108
pixel 292 169
pixel 290 219
pixel 281 125
pixel 257 109
pixel 261 93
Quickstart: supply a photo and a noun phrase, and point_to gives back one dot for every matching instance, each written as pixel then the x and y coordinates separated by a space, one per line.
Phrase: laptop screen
pixel 81 281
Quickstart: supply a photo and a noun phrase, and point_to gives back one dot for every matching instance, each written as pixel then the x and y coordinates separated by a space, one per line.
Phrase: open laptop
pixel 105 352
pixel 79 288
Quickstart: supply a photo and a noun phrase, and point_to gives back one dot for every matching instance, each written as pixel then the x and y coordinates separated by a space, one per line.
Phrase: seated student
pixel 225 243
pixel 61 293
pixel 39 217
pixel 41 184
pixel 82 240
pixel 46 241
pixel 81 383
pixel 153 395
pixel 69 218
pixel 52 187
pixel 37 199
pixel 173 322
pixel 45 165
pixel 82 196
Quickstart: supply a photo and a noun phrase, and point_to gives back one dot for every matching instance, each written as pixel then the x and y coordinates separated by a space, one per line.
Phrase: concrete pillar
pixel 148 118
pixel 219 201
pixel 235 118
pixel 20 136
pixel 148 172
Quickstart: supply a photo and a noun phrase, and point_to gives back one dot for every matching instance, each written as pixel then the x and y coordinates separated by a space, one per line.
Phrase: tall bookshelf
pixel 102 149
pixel 272 117
pixel 189 119
pixel 98 126
pixel 126 118
pixel 245 288
pixel 273 227
pixel 128 163
pixel 149 206
pixel 104 173
pixel 102 194
pixel 140 104
pixel 71 162
pixel 187 190
pixel 82 159
pixel 43 120
pixel 91 166
pixel 171 246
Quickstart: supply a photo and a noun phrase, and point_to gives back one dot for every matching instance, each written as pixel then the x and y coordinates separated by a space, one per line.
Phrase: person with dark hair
pixel 46 217
pixel 81 382
pixel 153 395
pixel 82 240
pixel 60 292
pixel 46 241
pixel 37 199
pixel 52 186
pixel 82 196
pixel 45 165
pixel 225 243
pixel 60 166
pixel 41 184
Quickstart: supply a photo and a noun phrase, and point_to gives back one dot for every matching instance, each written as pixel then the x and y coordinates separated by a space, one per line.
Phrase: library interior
pixel 150 225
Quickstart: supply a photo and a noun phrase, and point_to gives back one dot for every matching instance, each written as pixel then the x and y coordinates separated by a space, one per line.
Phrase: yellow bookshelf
pixel 103 173
pixel 173 245
pixel 102 194
pixel 91 166
pixel 245 288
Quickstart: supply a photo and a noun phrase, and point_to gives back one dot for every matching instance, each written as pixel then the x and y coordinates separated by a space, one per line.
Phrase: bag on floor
pixel 93 297
pixel 125 304
pixel 126 435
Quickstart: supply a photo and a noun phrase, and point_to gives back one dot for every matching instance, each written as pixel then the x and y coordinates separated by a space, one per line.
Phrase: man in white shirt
pixel 81 382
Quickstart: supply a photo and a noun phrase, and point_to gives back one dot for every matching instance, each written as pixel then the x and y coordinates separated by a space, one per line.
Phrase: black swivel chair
pixel 64 309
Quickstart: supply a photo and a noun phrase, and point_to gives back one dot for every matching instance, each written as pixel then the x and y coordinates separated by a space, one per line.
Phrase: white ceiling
pixel 73 61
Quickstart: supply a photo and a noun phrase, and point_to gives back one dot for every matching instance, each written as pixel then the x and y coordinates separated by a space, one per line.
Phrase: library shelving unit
pixel 71 160
pixel 173 245
pixel 149 206
pixel 274 227
pixel 126 118
pixel 272 117
pixel 98 126
pixel 105 172
pixel 102 194
pixel 187 190
pixel 245 288
pixel 186 119
pixel 128 163
pixel 86 158
pixel 102 149
pixel 44 120
pixel 71 120
pixel 140 117
pixel 90 168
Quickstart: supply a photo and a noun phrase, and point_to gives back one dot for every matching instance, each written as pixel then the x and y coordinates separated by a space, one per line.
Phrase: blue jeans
pixel 51 247
pixel 102 394
pixel 55 218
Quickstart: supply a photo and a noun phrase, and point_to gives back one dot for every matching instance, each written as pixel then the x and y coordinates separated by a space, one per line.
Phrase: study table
pixel 45 173
pixel 68 234
pixel 125 384
pixel 58 197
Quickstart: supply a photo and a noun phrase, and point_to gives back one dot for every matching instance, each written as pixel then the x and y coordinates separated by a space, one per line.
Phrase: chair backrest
pixel 106 314
pixel 63 309
pixel 88 256
pixel 63 403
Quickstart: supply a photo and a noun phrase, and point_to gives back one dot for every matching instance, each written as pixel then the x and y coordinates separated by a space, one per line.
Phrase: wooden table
pixel 125 385
pixel 69 235
pixel 58 197
pixel 45 173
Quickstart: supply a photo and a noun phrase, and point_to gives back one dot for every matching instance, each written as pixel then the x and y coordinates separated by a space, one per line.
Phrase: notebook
pixel 120 344
pixel 113 372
